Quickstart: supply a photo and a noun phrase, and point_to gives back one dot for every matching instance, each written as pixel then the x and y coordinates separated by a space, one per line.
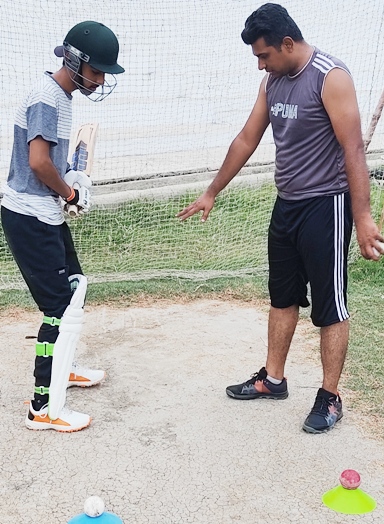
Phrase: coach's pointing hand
pixel 204 203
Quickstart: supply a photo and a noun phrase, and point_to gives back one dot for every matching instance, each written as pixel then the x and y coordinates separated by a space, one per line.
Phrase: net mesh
pixel 189 86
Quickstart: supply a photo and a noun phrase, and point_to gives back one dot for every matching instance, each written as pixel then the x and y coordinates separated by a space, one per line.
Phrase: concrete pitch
pixel 166 445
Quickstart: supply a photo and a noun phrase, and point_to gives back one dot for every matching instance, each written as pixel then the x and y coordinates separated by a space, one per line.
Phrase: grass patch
pixel 122 294
pixel 145 238
pixel 145 235
pixel 365 364
pixel 126 293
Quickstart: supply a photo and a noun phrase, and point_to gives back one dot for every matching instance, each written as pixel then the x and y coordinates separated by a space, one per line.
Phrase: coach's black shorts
pixel 308 242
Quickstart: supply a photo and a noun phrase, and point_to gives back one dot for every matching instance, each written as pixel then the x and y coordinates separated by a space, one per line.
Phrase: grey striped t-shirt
pixel 45 112
pixel 309 159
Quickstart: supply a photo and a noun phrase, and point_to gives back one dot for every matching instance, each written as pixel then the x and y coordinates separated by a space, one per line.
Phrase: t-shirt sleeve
pixel 42 118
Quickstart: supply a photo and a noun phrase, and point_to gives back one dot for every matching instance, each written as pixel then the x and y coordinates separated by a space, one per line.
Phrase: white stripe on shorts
pixel 338 273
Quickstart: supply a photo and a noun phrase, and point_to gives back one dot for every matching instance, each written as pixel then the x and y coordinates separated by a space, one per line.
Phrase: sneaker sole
pixel 40 426
pixel 314 431
pixel 259 395
pixel 84 383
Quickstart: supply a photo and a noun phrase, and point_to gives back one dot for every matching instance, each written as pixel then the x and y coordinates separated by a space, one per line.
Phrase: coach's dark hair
pixel 273 23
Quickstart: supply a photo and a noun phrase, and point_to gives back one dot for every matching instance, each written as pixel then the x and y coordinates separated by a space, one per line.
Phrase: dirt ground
pixel 166 445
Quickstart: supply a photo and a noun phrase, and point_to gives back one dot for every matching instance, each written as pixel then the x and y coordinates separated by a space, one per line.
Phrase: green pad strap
pixel 41 390
pixel 52 321
pixel 44 349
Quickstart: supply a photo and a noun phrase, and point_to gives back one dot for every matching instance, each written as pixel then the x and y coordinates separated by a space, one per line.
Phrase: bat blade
pixel 84 146
pixel 83 153
pixel 80 157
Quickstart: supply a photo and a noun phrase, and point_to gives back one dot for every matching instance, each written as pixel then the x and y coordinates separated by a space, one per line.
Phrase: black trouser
pixel 46 257
pixel 308 241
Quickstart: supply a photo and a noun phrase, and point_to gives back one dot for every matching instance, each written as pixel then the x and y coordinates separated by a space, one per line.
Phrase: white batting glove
pixel 84 202
pixel 72 177
pixel 80 203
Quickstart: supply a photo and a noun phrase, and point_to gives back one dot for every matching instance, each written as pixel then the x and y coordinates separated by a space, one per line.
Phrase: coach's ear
pixel 288 44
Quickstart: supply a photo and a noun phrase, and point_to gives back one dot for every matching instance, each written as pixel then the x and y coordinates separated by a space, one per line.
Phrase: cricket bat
pixel 82 155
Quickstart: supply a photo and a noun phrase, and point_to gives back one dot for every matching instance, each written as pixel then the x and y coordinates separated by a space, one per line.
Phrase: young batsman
pixel 32 216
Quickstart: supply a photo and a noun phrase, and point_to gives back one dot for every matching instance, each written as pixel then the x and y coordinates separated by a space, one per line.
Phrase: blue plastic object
pixel 105 518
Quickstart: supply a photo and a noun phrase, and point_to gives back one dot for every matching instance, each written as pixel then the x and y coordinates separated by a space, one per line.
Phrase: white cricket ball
pixel 94 506
pixel 375 250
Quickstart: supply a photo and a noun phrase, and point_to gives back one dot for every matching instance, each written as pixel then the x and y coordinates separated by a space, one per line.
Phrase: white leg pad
pixel 65 346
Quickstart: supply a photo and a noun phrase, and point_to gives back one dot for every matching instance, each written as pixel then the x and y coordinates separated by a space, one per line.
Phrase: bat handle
pixel 73 210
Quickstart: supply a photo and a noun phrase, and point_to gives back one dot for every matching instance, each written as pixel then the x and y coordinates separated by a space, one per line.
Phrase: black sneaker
pixel 326 411
pixel 258 387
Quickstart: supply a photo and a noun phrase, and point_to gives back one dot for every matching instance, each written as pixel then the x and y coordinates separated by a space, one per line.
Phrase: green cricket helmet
pixel 93 43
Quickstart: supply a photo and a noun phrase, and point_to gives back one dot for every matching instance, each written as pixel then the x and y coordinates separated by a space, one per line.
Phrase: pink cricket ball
pixel 350 479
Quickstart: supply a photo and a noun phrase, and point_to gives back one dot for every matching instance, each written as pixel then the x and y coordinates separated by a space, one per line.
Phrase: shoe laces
pixel 258 376
pixel 322 404
pixel 77 369
pixel 41 410
pixel 66 411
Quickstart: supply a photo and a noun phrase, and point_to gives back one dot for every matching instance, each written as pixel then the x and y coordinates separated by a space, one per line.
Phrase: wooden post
pixel 375 118
pixel 368 137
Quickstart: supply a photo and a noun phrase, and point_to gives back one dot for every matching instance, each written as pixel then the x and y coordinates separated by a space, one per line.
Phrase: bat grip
pixel 73 210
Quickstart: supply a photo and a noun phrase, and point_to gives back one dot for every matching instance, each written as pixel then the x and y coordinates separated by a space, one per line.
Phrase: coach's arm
pixel 339 98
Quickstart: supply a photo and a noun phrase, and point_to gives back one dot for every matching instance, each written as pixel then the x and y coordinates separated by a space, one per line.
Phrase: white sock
pixel 275 381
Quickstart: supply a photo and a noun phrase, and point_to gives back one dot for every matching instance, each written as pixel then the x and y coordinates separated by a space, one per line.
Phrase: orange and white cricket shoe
pixel 67 421
pixel 84 377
